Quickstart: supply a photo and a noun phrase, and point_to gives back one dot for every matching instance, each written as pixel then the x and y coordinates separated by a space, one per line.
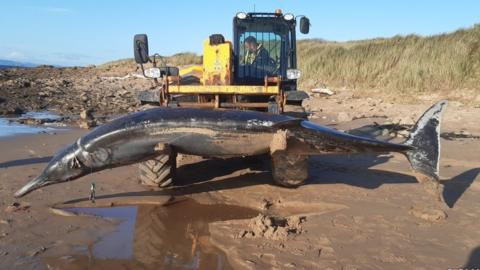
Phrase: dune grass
pixel 404 64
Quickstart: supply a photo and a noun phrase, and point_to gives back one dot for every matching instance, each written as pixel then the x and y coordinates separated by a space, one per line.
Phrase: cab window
pixel 259 54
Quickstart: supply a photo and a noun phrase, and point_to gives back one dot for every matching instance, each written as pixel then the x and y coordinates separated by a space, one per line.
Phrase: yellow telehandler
pixel 255 71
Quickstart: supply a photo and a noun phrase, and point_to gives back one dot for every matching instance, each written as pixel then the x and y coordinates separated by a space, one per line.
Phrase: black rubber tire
pixel 289 170
pixel 158 172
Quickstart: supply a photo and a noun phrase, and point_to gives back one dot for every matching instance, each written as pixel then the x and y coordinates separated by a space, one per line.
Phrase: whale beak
pixel 30 186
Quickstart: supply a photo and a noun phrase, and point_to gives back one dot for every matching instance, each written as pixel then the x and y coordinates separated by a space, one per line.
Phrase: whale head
pixel 64 166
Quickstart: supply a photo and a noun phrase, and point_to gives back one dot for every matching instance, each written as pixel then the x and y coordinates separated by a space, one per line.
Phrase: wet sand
pixel 359 211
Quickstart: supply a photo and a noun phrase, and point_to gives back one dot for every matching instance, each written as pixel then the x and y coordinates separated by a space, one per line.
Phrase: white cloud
pixel 16 55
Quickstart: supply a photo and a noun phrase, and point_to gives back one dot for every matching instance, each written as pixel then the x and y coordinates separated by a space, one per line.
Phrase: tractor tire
pixel 158 172
pixel 289 170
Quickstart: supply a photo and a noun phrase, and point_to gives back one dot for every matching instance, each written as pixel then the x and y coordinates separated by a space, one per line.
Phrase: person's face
pixel 250 46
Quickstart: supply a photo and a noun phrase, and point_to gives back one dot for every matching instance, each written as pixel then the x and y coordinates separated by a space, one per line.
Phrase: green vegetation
pixel 402 64
pixel 179 59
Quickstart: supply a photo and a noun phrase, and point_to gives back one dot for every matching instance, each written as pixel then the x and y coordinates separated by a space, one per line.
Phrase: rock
pixel 290 265
pixel 343 117
pixel 17 206
pixel 275 228
pixel 32 121
pixel 26 84
pixel 4 221
pixel 9 110
pixel 66 83
pixel 87 124
pixel 123 93
pixel 37 251
pixel 403 133
pixel 266 204
pixel 324 91
pixel 431 215
pixel 86 114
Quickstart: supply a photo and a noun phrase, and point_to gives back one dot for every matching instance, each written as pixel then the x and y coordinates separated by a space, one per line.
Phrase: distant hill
pixel 10 64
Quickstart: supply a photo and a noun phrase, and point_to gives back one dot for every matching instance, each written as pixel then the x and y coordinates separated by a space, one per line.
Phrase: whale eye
pixel 101 155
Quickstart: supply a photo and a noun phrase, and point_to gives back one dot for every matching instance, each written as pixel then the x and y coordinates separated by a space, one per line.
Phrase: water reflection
pixel 156 237
pixel 8 127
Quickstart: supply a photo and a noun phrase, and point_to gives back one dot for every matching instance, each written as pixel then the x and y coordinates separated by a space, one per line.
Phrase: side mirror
pixel 140 48
pixel 304 25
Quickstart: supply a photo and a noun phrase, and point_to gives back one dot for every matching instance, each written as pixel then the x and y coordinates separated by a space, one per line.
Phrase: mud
pixel 361 211
pixel 273 227
pixel 173 236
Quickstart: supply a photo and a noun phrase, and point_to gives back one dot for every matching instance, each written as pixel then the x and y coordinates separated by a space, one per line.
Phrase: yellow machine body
pixel 217 87
pixel 217 63
pixel 216 75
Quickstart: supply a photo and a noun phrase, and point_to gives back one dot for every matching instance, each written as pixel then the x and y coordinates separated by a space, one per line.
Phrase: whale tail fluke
pixel 425 141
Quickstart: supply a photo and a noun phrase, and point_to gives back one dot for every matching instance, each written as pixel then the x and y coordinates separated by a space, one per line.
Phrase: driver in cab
pixel 255 53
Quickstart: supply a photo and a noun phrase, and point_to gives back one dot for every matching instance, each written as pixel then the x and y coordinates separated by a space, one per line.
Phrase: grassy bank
pixel 403 63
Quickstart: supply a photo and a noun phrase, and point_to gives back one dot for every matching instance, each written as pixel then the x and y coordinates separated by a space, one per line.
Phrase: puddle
pixel 155 237
pixel 45 115
pixel 10 126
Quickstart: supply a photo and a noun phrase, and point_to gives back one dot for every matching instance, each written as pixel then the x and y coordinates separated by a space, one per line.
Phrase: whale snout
pixel 31 186
pixel 64 166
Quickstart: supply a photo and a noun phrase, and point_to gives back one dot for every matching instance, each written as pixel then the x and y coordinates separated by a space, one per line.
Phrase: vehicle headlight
pixel 152 73
pixel 288 16
pixel 241 15
pixel 293 74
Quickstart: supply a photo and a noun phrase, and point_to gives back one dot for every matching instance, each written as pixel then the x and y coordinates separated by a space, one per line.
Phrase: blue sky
pixel 85 32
